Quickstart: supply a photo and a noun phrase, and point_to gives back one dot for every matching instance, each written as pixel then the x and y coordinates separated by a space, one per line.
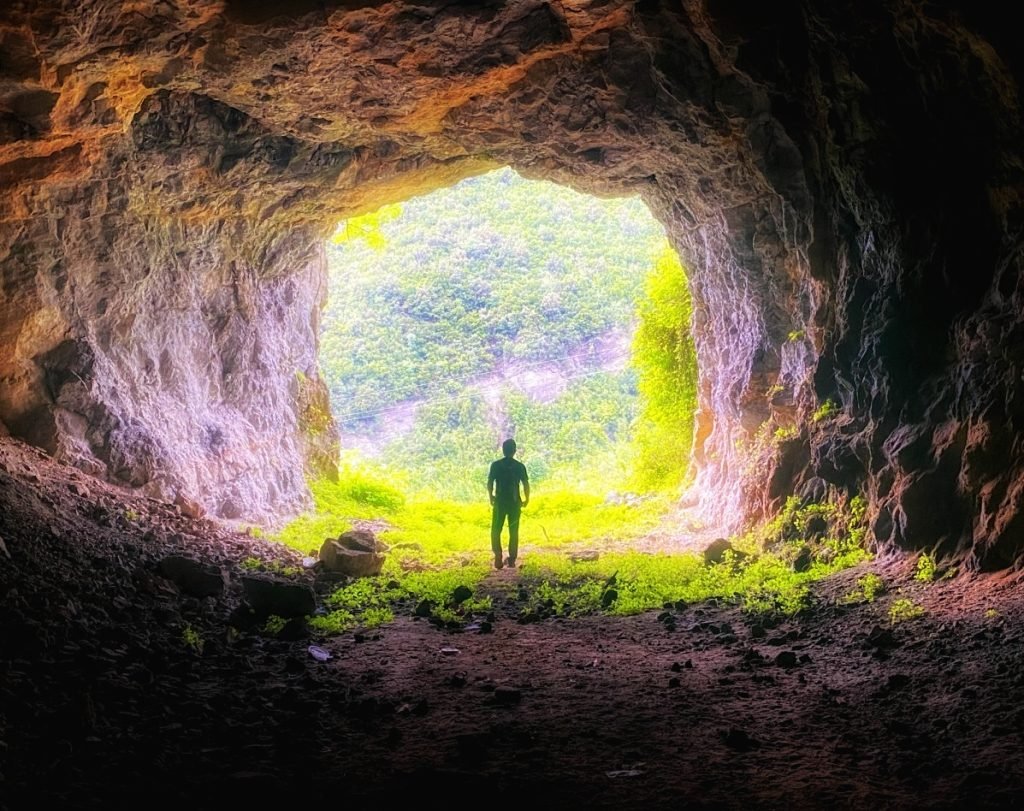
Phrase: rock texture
pixel 844 181
pixel 355 553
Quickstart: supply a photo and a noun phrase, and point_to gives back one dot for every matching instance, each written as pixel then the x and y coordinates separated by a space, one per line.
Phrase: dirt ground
pixel 102 701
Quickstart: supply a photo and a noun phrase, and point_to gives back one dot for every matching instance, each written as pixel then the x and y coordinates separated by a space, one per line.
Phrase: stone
pixel 192 577
pixel 804 559
pixel 243 617
pixel 817 526
pixel 882 638
pixel 786 658
pixel 506 696
pixel 715 551
pixel 424 608
pixel 294 629
pixel 740 740
pixel 188 507
pixel 355 553
pixel 275 598
pixel 359 540
pixel 586 556
pixel 460 594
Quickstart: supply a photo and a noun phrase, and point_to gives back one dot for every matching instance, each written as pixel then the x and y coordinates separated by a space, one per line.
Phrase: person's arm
pixel 490 484
pixel 526 487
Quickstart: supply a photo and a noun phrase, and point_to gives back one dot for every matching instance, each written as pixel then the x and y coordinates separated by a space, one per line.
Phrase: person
pixel 503 489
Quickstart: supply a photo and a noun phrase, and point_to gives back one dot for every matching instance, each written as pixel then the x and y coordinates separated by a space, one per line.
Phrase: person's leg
pixel 497 519
pixel 513 535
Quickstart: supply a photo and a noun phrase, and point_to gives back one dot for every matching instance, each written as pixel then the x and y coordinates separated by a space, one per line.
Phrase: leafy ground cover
pixel 567 568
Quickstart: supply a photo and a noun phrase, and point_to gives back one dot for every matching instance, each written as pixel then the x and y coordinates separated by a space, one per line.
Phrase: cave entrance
pixel 505 307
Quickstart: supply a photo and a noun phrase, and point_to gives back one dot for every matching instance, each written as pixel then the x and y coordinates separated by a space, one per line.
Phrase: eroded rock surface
pixel 843 180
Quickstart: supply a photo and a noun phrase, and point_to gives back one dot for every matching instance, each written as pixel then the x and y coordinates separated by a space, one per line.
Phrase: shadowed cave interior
pixel 843 182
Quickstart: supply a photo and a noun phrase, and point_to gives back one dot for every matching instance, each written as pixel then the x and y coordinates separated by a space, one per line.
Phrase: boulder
pixel 804 559
pixel 715 551
pixel 188 507
pixel 356 553
pixel 192 577
pixel 273 597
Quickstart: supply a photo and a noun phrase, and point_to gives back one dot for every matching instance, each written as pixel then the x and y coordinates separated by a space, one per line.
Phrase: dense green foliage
pixel 453 302
pixel 437 546
pixel 666 361
pixel 493 271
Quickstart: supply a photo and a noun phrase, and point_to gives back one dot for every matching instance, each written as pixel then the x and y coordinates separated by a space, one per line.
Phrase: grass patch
pixel 868 588
pixel 438 546
pixel 440 529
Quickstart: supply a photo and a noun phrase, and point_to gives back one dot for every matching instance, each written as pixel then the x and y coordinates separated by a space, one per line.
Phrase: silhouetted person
pixel 503 488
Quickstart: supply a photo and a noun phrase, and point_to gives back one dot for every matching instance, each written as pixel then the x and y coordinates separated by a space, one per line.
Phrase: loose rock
pixel 356 553
pixel 192 577
pixel 271 597
pixel 715 551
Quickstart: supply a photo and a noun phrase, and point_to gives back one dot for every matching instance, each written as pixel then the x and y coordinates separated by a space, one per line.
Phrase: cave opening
pixel 509 308
pixel 845 188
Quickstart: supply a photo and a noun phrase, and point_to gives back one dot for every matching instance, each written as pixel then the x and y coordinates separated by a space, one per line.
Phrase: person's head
pixel 508 447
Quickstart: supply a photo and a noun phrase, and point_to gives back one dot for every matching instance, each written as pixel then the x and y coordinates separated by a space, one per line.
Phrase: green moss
pixel 825 411
pixel 903 610
pixel 868 588
pixel 926 570
pixel 192 638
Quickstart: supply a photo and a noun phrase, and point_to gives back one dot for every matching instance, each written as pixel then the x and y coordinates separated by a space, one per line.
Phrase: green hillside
pixel 495 276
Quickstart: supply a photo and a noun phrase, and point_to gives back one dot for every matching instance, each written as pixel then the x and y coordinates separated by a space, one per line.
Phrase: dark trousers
pixel 500 513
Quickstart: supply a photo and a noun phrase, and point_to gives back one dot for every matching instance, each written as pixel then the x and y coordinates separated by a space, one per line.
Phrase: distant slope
pixel 495 273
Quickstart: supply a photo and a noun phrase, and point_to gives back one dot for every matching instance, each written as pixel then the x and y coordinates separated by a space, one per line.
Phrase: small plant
pixel 796 335
pixel 903 609
pixel 131 515
pixel 926 570
pixel 825 411
pixel 274 624
pixel 782 434
pixel 192 638
pixel 992 614
pixel 254 564
pixel 868 588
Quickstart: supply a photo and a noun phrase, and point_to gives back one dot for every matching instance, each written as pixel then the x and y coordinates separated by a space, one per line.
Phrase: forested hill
pixel 497 270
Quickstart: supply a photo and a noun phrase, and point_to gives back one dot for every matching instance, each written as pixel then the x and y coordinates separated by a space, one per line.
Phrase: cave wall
pixel 842 179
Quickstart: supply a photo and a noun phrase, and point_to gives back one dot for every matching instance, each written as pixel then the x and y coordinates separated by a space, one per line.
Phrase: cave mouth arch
pixel 168 180
pixel 505 307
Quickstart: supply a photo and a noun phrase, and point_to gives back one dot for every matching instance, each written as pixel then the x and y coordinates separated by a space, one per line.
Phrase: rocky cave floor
pixel 102 700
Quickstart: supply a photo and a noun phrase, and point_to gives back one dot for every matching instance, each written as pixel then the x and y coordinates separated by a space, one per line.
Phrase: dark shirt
pixel 507 473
